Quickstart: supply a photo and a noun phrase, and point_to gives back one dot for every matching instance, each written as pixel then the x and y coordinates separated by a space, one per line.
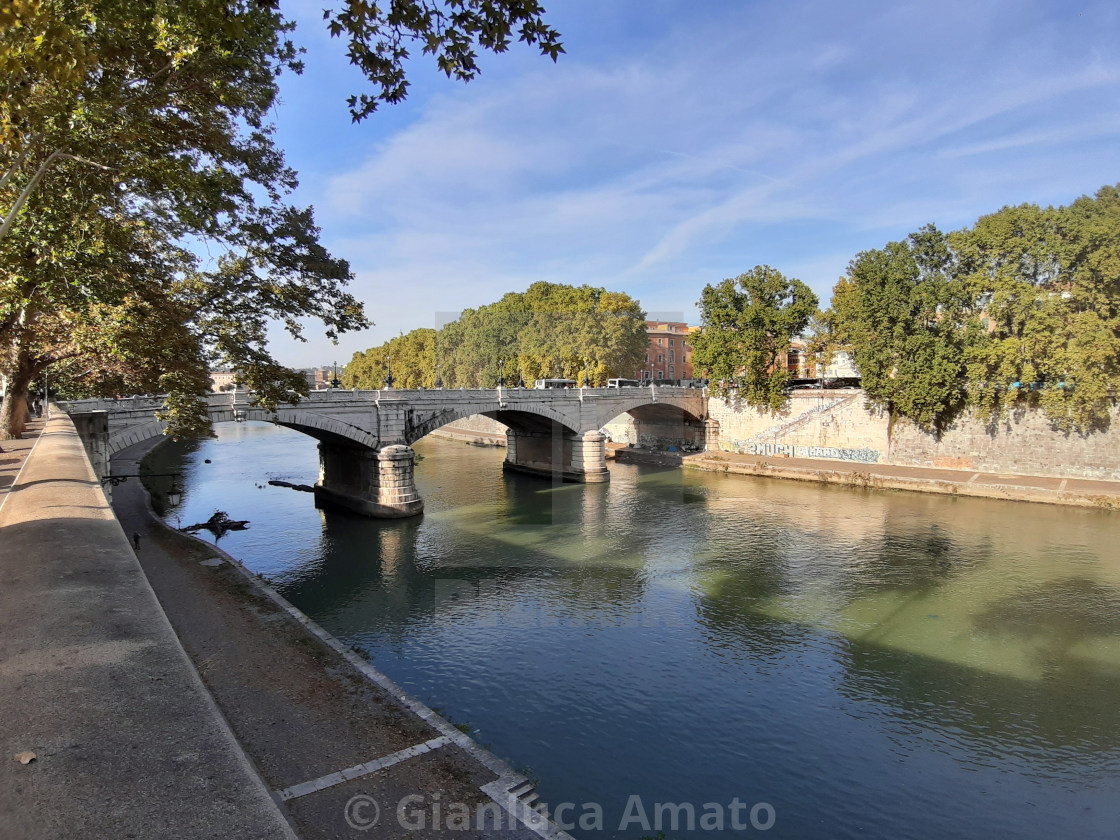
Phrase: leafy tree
pixel 159 142
pixel 548 330
pixel 410 357
pixel 1048 282
pixel 907 319
pixel 577 329
pixel 746 326
pixel 132 130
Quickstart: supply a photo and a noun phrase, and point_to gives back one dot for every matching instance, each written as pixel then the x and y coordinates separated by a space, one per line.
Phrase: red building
pixel 669 355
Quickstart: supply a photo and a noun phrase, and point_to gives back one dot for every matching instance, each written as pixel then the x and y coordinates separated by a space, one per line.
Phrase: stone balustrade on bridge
pixel 365 437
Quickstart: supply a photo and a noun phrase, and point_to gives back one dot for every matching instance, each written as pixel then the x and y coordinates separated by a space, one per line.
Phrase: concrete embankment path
pixel 244 721
pixel 343 749
pixel 94 683
pixel 1080 492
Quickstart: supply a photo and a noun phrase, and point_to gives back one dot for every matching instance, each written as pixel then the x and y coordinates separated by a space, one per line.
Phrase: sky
pixel 680 142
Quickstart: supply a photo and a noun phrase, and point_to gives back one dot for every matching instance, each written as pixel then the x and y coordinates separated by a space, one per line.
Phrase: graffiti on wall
pixel 835 453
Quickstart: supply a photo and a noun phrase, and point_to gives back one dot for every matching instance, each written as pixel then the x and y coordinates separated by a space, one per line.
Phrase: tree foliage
pixel 118 170
pixel 136 135
pixel 378 36
pixel 746 326
pixel 549 330
pixel 906 318
pixel 1048 282
pixel 1022 309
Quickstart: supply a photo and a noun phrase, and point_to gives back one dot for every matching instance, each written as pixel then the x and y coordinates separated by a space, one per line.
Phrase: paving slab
pixel 13 454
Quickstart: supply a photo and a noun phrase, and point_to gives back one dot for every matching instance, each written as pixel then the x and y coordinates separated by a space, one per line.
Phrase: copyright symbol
pixel 361 812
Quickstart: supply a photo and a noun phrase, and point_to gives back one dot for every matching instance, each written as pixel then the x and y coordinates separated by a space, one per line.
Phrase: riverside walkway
pixel 93 681
pixel 246 720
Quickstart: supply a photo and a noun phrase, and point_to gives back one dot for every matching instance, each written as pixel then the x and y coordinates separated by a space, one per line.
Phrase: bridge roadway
pixel 365 437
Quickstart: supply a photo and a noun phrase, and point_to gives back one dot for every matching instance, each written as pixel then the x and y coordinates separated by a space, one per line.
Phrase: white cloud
pixel 717 138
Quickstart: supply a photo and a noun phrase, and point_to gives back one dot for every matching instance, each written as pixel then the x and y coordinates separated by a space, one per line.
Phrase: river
pixel 846 663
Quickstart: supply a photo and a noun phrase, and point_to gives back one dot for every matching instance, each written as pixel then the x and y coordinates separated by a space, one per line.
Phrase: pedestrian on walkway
pixel 136 540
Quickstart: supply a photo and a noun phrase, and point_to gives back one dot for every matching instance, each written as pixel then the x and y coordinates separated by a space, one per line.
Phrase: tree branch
pixel 18 165
pixel 34 182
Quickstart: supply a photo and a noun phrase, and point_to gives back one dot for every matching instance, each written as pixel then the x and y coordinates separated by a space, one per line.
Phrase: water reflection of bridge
pixel 365 437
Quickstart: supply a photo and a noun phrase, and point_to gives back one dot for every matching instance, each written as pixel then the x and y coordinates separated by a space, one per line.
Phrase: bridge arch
pixel 540 440
pixel 310 423
pixel 534 419
pixel 659 423
pixel 693 408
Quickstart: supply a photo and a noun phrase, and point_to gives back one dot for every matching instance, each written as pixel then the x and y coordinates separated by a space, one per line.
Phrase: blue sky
pixel 679 142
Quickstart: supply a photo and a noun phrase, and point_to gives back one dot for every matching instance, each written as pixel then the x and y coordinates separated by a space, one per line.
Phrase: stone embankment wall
pixel 830 424
pixel 837 425
pixel 1024 443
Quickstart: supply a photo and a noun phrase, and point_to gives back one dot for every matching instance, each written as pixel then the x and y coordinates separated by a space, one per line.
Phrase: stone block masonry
pixel 1025 442
pixel 838 425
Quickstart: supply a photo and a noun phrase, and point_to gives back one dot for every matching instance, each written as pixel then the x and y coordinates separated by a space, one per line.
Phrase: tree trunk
pixel 13 412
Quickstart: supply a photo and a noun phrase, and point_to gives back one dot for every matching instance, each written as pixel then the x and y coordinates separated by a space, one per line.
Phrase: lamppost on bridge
pixel 501 372
pixel 388 372
pixel 439 379
pixel 521 377
pixel 335 381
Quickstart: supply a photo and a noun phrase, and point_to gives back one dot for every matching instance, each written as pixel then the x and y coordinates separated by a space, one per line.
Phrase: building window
pixel 660 358
pixel 659 342
pixel 672 343
pixel 660 374
pixel 647 358
pixel 671 353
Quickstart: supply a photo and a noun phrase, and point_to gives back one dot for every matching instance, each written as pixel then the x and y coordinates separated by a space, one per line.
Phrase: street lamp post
pixel 501 372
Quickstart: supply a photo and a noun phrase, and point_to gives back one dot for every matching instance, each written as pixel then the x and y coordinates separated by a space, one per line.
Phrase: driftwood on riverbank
pixel 303 488
pixel 219 524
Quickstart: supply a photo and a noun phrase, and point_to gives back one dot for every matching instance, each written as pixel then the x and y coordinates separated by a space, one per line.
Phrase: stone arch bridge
pixel 365 437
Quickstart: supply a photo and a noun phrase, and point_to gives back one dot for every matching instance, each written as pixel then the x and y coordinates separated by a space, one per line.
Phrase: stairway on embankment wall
pixel 838 425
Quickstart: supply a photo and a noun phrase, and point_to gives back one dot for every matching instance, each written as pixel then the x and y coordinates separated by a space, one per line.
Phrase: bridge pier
pixel 378 483
pixel 711 435
pixel 561 453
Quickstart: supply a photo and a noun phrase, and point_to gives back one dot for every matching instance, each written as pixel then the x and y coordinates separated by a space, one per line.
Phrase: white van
pixel 542 384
